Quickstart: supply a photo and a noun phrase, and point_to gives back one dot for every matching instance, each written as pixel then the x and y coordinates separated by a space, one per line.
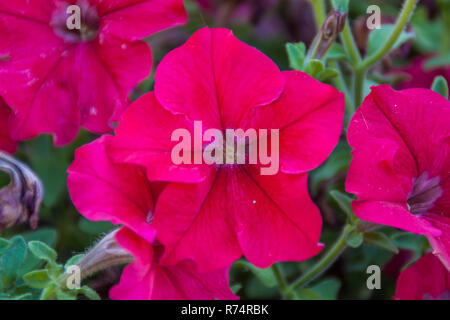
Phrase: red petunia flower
pixel 400 169
pixel 120 193
pixel 6 142
pixel 418 76
pixel 214 213
pixel 426 279
pixel 57 79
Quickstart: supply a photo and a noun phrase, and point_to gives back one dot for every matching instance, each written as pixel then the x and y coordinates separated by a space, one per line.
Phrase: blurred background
pixel 268 25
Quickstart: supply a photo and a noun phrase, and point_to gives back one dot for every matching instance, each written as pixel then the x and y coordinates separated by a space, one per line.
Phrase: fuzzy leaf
pixel 42 251
pixel 4 245
pixel 354 238
pixel 336 52
pixel 74 260
pixel 314 67
pixel 345 203
pixel 440 86
pixel 38 279
pixel 380 240
pixel 12 260
pixel 379 36
pixel 296 54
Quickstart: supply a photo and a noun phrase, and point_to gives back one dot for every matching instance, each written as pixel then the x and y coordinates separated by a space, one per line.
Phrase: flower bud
pixel 106 253
pixel 333 25
pixel 21 199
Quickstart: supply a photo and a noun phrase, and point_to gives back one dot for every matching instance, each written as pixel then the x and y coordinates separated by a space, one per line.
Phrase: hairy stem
pixel 323 264
pixel 402 20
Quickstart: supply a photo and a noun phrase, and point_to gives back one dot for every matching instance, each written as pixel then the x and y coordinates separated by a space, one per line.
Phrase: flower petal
pixel 216 78
pixel 425 279
pixel 393 214
pixel 102 190
pixel 193 223
pixel 440 244
pixel 137 19
pixel 143 137
pixel 146 279
pixel 237 205
pixel 309 115
pixel 6 142
pixel 35 59
pixel 275 218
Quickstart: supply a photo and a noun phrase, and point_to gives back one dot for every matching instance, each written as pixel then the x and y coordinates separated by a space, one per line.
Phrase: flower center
pixel 424 193
pixel 77 23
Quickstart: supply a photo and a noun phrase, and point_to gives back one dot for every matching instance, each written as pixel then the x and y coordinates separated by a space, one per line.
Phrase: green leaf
pixel 4 245
pixel 328 289
pixel 23 296
pixel 89 293
pixel 12 260
pixel 49 293
pixel 380 240
pixel 265 276
pixel 379 36
pixel 336 52
pixel 337 162
pixel 296 55
pixel 46 235
pixel 65 295
pixel 354 238
pixel 42 251
pixel 38 279
pixel 314 67
pixel 440 86
pixel 429 33
pixel 50 164
pixel 306 294
pixel 74 260
pixel 345 203
pixel 410 241
pixel 95 227
pixel 327 74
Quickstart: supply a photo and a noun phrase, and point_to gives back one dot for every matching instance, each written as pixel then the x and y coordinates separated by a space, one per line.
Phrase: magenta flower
pixel 57 79
pixel 6 142
pixel 419 77
pixel 426 279
pixel 147 279
pixel 401 163
pixel 120 193
pixel 214 213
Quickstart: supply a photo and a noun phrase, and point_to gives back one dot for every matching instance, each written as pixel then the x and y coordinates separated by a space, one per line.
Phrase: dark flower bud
pixel 20 200
pixel 330 29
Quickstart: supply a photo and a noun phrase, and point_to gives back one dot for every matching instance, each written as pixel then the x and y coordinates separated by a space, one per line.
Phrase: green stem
pixel 362 66
pixel 280 279
pixel 339 83
pixel 319 11
pixel 350 45
pixel 324 263
pixel 358 85
pixel 402 20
